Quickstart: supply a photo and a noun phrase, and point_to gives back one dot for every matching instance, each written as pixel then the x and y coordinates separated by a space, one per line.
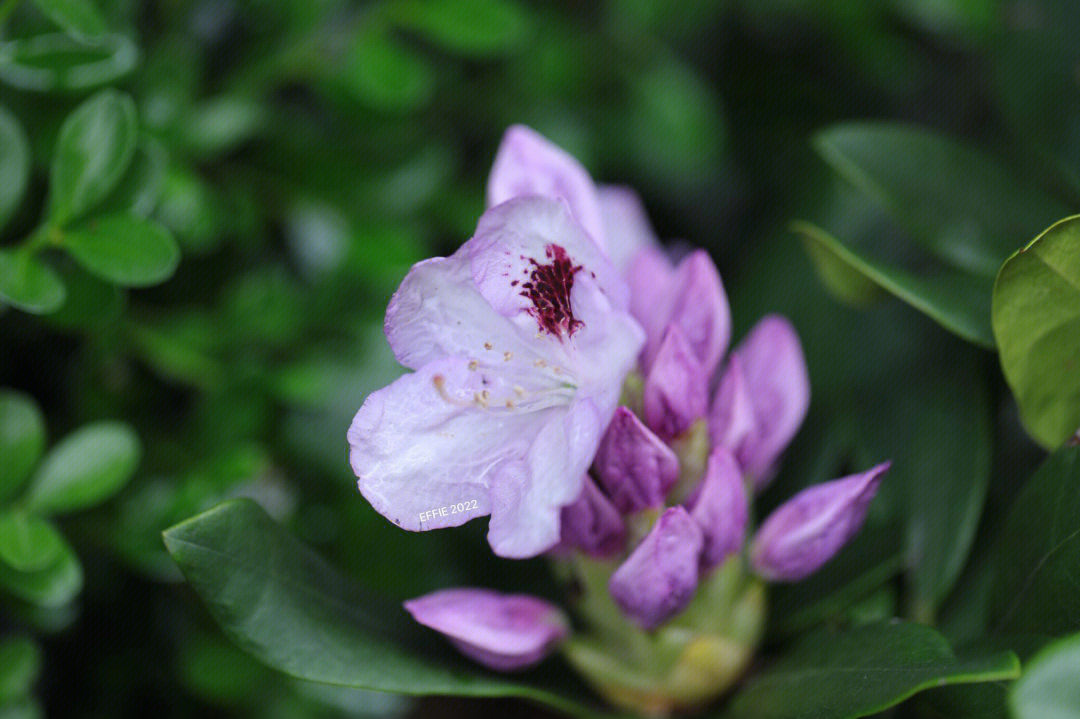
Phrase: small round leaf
pixel 29 284
pixel 20 665
pixel 85 468
pixel 125 249
pixel 22 439
pixel 80 18
pixel 58 63
pixel 28 543
pixel 14 164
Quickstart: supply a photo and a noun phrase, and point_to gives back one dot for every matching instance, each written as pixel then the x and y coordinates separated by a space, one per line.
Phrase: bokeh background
pixel 305 153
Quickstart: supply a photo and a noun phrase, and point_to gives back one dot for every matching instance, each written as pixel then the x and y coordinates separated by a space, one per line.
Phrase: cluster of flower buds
pixel 577 381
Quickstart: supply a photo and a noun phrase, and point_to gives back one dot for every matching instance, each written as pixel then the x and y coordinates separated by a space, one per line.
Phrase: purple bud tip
pixel 810 528
pixel 592 523
pixel 675 388
pixel 660 576
pixel 634 465
pixel 505 632
pixel 720 508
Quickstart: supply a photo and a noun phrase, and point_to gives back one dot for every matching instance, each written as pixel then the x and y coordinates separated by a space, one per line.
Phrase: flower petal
pixel 529 164
pixel 505 632
pixel 626 224
pixel 731 420
pixel 651 277
pixel 721 508
pixel 527 495
pixel 676 390
pixel 779 388
pixel 701 309
pixel 660 576
pixel 634 465
pixel 592 524
pixel 807 530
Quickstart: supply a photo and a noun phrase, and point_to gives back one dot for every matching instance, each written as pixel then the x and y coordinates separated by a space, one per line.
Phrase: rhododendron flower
pixel 520 348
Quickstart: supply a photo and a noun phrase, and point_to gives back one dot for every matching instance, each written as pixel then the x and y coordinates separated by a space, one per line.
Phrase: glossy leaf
pixel 124 248
pixel 14 164
pixel 77 17
pixel 956 299
pixel 292 610
pixel 959 202
pixel 22 439
pixel 28 543
pixel 1036 315
pixel 93 151
pixel 386 74
pixel 85 468
pixel 28 283
pixel 58 62
pixel 20 665
pixel 861 671
pixel 1039 551
pixel 1049 688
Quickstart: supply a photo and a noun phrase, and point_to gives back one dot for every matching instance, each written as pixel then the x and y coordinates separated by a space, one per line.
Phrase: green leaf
pixel 862 671
pixel 1036 314
pixel 287 606
pixel 478 28
pixel 124 248
pixel 85 468
pixel 14 164
pixel 956 299
pixel 960 203
pixel 139 189
pixel 59 63
pixel 93 151
pixel 20 665
pixel 28 543
pixel 1035 591
pixel 54 586
pixel 22 439
pixel 28 283
pixel 1049 688
pixel 387 74
pixel 80 18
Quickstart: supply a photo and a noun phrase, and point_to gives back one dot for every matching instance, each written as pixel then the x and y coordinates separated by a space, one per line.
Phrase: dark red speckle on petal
pixel 548 288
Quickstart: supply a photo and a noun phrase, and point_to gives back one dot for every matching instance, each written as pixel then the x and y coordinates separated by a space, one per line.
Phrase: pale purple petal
pixel 626 224
pixel 592 524
pixel 651 278
pixel 779 388
pixel 721 508
pixel 634 465
pixel 676 388
pixel 732 422
pixel 529 164
pixel 505 632
pixel 660 576
pixel 806 531
pixel 528 242
pixel 528 494
pixel 701 309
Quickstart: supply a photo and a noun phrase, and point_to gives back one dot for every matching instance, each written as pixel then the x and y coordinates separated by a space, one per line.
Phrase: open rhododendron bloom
pixel 574 382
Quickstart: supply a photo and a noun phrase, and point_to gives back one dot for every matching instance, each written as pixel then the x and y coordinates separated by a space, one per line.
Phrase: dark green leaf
pixel 91 303
pixel 85 468
pixel 961 204
pixel 1036 315
pixel 28 543
pixel 288 607
pixel 20 665
pixel 94 149
pixel 77 17
pixel 1035 591
pixel 140 188
pixel 14 165
pixel 1049 688
pixel 57 62
pixel 387 74
pixel 51 587
pixel 468 27
pixel 956 299
pixel 124 248
pixel 858 672
pixel 28 283
pixel 22 439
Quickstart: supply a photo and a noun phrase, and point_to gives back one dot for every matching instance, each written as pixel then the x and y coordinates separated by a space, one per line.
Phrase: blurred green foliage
pixel 205 205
